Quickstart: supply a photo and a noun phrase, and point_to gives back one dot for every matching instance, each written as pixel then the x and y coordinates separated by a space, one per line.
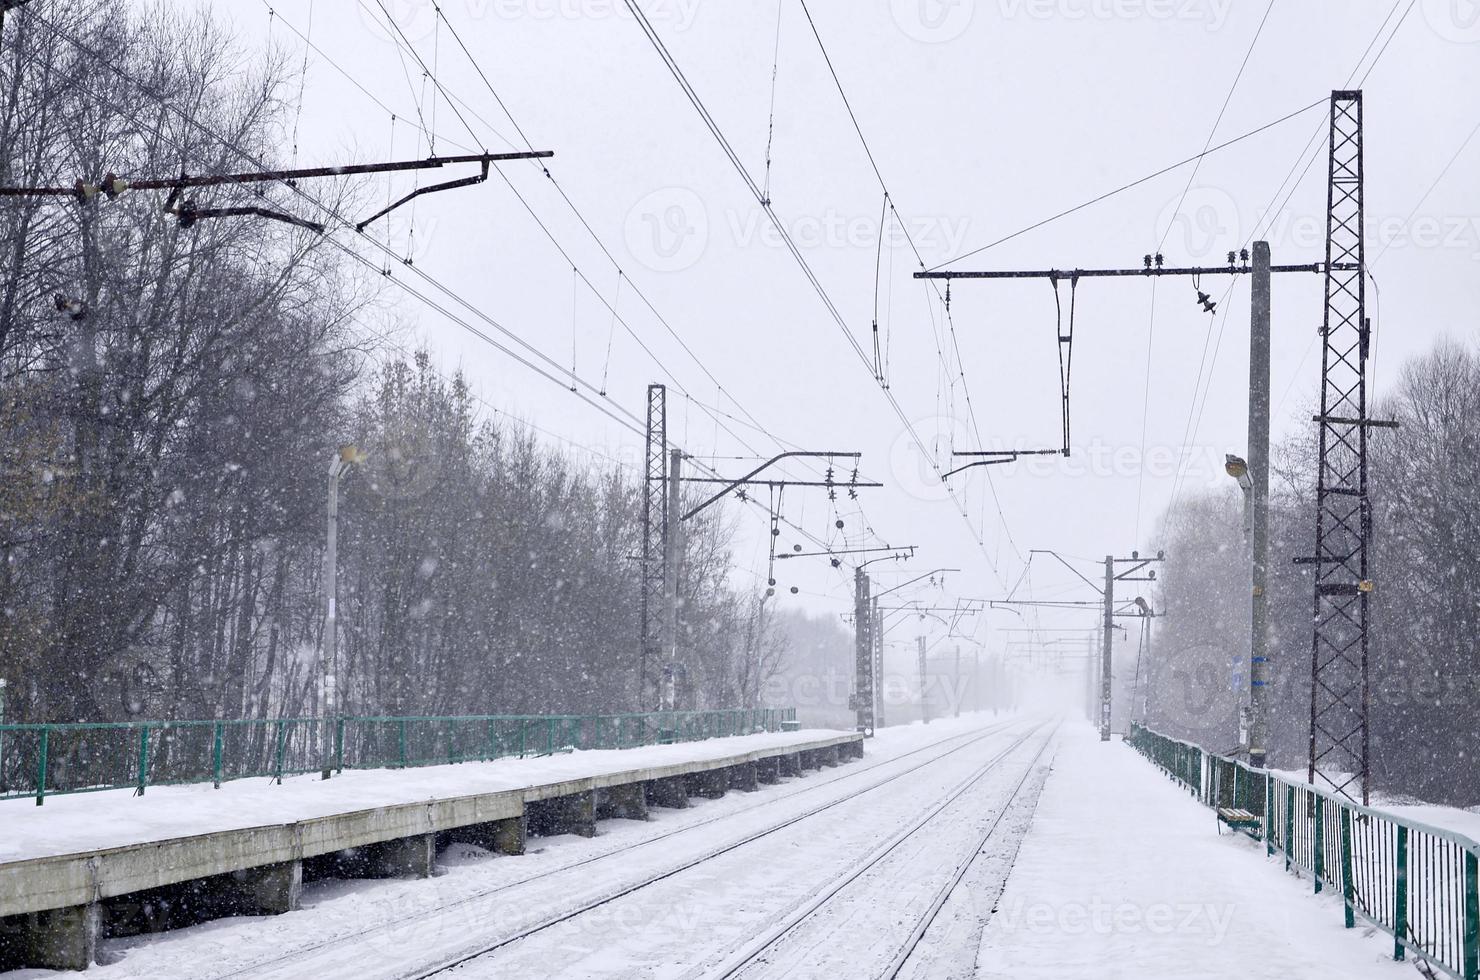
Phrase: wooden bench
pixel 1238 820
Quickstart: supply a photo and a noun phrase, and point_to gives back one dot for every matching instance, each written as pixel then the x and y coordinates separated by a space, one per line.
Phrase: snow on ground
pixel 1123 874
pixel 91 821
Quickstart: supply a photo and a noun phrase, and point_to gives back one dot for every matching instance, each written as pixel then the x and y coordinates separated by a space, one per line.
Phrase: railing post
pixel 1289 825
pixel 216 755
pixel 339 744
pixel 1400 897
pixel 1472 917
pixel 279 750
pixel 1268 815
pixel 549 736
pixel 1318 840
pixel 41 767
pixel 1347 888
pixel 143 759
pixel 401 742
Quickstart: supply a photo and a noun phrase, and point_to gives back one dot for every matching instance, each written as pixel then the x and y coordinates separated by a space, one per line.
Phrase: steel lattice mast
pixel 1339 646
pixel 654 541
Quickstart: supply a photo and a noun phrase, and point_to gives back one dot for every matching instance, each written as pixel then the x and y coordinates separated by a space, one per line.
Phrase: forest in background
pixel 1424 554
pixel 170 399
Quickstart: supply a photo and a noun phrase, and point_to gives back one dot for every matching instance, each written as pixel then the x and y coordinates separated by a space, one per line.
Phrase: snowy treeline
pixel 169 401
pixel 1425 562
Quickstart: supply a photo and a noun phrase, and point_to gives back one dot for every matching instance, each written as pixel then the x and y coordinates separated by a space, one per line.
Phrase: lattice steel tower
pixel 1339 659
pixel 654 543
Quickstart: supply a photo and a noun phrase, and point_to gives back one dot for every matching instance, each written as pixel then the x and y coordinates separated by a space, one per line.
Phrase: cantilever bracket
pixel 429 189
pixel 187 214
pixel 992 458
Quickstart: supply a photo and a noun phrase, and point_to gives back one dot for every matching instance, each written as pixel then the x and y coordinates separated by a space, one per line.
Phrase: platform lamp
pixel 341 461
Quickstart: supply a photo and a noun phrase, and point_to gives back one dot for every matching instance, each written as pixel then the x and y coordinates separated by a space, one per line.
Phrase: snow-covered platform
pixel 1122 874
pixel 246 842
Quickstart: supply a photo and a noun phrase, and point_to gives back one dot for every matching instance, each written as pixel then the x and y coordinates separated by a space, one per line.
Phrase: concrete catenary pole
pixel 327 662
pixel 878 638
pixel 1091 675
pixel 1106 649
pixel 1148 624
pixel 956 708
pixel 976 680
pixel 863 654
pixel 924 691
pixel 1259 504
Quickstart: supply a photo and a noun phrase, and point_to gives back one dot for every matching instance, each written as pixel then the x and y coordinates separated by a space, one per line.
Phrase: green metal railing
pixel 46 760
pixel 1420 884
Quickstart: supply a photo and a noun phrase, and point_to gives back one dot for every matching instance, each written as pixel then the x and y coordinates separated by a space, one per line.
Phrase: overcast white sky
pixel 984 116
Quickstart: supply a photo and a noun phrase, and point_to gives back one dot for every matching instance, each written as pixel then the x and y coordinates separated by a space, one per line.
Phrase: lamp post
pixel 1255 487
pixel 328 661
pixel 924 688
pixel 1143 652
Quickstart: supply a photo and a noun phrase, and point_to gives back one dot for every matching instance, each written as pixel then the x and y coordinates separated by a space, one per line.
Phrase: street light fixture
pixel 1238 468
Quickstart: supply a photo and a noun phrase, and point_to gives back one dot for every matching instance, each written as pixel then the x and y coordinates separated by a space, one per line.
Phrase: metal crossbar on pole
pixel 749 479
pixel 188 212
pixel 1152 267
pixel 1151 271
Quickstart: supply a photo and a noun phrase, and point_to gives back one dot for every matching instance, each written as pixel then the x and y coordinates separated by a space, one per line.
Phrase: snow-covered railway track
pixel 330 953
pixel 923 925
pixel 758 956
pixel 470 957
